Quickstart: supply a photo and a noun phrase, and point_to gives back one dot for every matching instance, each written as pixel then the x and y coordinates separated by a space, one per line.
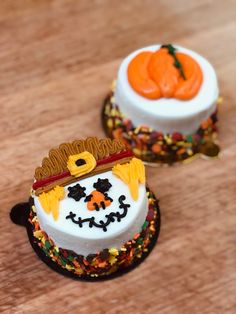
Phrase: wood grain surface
pixel 57 60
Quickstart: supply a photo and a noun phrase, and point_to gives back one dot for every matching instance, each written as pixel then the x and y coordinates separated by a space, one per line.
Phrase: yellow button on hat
pixel 81 164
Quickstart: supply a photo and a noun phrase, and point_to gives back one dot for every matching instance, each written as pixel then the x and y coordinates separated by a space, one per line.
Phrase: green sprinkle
pixel 139 241
pixel 70 258
pixel 47 245
pixel 144 226
pixel 189 138
pixel 63 262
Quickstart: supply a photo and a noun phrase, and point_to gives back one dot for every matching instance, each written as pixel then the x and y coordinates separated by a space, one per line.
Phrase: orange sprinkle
pixel 156 148
pixel 180 151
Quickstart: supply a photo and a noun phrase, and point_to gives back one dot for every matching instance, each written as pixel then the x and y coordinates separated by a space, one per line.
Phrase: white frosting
pixel 85 240
pixel 168 115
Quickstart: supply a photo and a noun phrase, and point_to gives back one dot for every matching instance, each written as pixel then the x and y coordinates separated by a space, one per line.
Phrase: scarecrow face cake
pixel 89 199
pixel 163 105
pixel 93 212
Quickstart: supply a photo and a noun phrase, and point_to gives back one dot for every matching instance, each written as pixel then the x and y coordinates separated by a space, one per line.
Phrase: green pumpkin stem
pixel 171 50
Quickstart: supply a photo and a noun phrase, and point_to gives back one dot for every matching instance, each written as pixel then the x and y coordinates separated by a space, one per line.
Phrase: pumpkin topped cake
pixel 163 104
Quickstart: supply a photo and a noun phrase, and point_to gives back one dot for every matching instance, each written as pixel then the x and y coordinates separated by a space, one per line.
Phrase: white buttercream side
pixel 85 240
pixel 168 115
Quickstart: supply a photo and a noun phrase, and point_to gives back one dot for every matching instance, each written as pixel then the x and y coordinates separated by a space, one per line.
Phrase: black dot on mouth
pixel 80 162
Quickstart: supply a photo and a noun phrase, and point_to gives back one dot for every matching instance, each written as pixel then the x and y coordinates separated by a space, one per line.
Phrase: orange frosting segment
pixel 155 75
pixel 139 78
pixel 163 72
pixel 188 88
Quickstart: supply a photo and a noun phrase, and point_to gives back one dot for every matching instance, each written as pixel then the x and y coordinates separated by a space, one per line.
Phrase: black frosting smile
pixel 102 224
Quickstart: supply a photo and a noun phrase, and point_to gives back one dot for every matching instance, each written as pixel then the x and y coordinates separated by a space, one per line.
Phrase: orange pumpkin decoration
pixel 156 75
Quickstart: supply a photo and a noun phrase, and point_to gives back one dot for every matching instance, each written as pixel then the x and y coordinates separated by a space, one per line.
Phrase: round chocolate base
pixel 20 214
pixel 156 148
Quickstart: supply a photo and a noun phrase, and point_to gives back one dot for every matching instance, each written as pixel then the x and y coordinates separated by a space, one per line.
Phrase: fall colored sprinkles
pixel 107 261
pixel 153 146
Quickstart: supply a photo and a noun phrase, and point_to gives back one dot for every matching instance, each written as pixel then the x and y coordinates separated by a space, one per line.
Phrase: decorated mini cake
pixel 90 212
pixel 163 105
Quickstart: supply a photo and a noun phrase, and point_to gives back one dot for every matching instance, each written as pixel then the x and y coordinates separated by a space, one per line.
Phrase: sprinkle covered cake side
pixel 108 260
pixel 163 105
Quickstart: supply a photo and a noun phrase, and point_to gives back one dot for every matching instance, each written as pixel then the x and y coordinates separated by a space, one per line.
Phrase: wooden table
pixel 57 60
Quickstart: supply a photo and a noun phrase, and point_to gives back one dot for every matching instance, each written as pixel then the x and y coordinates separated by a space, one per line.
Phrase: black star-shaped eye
pixel 102 185
pixel 76 192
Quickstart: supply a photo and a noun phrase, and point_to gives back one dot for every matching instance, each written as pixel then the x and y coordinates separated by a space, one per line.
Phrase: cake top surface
pixel 75 218
pixel 202 91
pixel 89 189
